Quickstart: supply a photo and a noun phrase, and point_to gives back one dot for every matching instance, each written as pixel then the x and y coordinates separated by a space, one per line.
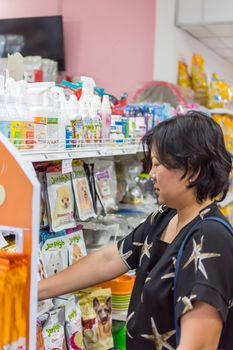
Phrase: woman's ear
pixel 2 194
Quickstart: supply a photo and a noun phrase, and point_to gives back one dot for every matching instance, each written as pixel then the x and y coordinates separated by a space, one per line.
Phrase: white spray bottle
pixel 106 118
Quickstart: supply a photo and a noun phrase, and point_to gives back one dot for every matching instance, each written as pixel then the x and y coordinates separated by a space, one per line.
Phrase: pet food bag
pixel 43 207
pixel 54 255
pixel 106 184
pixel 76 244
pixel 83 199
pixel 96 318
pixel 61 201
pixel 73 326
pixel 53 331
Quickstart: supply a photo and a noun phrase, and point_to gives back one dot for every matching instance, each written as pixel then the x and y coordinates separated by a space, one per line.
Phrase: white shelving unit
pixel 43 155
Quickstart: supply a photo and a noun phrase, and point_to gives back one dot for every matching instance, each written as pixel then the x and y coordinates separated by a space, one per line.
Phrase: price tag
pixel 67 166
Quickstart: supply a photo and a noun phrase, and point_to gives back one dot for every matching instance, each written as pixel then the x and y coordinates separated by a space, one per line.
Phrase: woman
pixel 190 168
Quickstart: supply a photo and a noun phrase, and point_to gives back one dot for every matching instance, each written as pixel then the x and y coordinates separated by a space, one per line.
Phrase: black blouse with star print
pixel 206 274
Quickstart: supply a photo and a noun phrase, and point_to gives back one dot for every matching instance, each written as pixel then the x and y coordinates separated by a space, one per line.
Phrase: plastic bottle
pixel 37 113
pixel 4 118
pixel 51 112
pixel 96 116
pixel 106 118
pixel 88 134
pixel 25 120
pixel 61 111
pixel 76 121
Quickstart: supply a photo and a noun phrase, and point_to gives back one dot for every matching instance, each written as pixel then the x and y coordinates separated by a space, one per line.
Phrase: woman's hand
pixel 200 328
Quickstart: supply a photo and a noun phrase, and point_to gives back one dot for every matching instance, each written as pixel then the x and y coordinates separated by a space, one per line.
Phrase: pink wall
pixel 110 40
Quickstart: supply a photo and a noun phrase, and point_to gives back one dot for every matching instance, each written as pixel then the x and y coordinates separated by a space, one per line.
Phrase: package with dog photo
pixel 83 199
pixel 96 318
pixel 106 183
pixel 61 201
pixel 54 255
pixel 76 244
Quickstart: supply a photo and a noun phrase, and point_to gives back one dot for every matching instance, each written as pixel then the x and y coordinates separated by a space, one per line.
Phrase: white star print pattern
pixel 126 324
pixel 160 340
pixel 125 255
pixel 197 256
pixel 145 250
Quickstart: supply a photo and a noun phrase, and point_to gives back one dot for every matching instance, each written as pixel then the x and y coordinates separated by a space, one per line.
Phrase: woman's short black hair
pixel 194 143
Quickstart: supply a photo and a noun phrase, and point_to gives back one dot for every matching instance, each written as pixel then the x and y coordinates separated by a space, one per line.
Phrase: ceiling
pixel 217 36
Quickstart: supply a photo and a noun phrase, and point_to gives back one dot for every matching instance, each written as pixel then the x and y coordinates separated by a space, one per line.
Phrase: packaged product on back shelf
pixel 219 93
pixel 226 123
pixel 199 80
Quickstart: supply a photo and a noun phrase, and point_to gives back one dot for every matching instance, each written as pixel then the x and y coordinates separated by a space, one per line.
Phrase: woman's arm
pixel 96 267
pixel 200 328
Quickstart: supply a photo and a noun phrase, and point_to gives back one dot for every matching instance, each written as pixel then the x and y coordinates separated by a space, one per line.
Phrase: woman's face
pixel 170 189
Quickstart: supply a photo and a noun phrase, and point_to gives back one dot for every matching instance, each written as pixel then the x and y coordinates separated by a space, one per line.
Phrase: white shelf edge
pixel 48 155
pixel 221 111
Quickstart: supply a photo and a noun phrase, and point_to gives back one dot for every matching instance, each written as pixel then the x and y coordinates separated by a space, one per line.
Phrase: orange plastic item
pixel 120 285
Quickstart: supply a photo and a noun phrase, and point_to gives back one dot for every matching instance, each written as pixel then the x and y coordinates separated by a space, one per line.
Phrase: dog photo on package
pixel 61 201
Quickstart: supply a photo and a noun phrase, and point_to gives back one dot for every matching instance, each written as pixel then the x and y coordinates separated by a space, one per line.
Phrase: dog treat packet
pixel 83 199
pixel 43 205
pixel 96 318
pixel 45 234
pixel 61 201
pixel 76 244
pixel 73 326
pixel 53 331
pixel 95 195
pixel 105 179
pixel 54 255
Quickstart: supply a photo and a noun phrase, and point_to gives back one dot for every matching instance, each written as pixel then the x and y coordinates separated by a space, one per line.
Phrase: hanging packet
pixel 53 331
pixel 61 201
pixel 106 184
pixel 73 326
pixel 83 200
pixel 54 255
pixel 75 244
pixel 96 318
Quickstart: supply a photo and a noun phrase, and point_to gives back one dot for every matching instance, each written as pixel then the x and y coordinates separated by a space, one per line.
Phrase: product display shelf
pixel 221 111
pixel 86 151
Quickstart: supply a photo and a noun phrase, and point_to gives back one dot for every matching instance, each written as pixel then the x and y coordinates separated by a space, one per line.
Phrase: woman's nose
pixel 152 175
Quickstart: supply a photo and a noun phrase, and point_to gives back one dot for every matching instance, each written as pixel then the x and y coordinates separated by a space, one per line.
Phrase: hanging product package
pixel 98 204
pixel 75 244
pixel 73 326
pixel 53 330
pixel 43 211
pixel 54 255
pixel 96 318
pixel 61 201
pixel 106 184
pixel 83 199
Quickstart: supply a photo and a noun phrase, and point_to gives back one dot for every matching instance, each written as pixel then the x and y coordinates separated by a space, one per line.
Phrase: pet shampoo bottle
pixel 106 118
